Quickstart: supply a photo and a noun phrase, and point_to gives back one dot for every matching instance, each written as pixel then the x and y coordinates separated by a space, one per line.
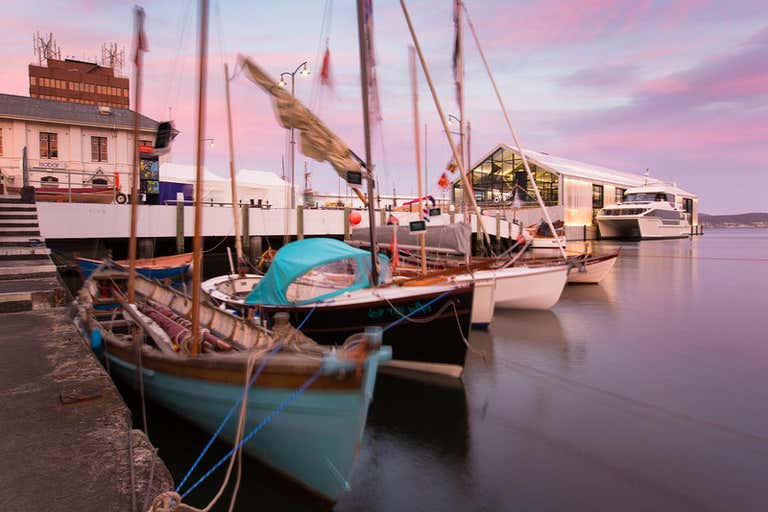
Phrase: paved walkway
pixel 65 429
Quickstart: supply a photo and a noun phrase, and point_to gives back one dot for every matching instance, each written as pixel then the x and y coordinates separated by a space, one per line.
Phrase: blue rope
pixel 258 428
pixel 416 310
pixel 236 404
pixel 229 415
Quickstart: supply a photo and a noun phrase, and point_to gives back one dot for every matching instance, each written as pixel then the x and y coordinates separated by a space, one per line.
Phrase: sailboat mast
pixel 367 133
pixel 416 127
pixel 139 61
pixel 515 138
pixel 441 115
pixel 197 247
pixel 460 85
pixel 232 177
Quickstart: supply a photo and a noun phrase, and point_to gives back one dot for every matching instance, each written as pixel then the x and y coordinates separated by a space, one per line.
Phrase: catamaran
pixel 650 211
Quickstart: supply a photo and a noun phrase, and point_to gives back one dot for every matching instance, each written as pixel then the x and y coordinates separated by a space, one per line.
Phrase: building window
pixel 597 196
pixel 98 149
pixel 620 194
pixel 49 145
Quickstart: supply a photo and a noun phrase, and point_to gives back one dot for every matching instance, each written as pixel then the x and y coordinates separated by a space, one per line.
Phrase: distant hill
pixel 741 220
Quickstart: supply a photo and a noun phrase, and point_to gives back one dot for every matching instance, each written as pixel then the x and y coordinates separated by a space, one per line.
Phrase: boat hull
pixel 641 227
pixel 594 270
pixel 483 303
pixel 87 266
pixel 436 346
pixel 527 288
pixel 313 441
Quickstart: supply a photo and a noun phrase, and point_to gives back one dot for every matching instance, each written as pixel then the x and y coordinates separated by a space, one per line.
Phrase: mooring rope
pixel 257 429
pixel 224 421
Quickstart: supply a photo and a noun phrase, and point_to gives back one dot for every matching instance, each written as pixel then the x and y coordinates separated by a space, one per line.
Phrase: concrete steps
pixel 30 294
pixel 26 269
pixel 28 277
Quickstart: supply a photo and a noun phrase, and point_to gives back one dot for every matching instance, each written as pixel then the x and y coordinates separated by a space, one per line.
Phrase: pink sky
pixel 680 87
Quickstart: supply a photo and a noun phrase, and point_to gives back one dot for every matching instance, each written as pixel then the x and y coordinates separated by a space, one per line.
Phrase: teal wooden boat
pixel 312 441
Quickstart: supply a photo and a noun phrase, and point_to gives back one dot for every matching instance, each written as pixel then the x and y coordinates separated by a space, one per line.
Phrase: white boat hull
pixel 548 243
pixel 524 287
pixel 483 303
pixel 641 227
pixel 592 272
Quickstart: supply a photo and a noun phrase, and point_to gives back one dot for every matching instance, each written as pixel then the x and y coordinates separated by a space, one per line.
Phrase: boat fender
pixel 96 341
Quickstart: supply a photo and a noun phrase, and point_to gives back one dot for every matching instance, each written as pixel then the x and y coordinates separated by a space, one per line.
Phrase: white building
pixel 259 187
pixel 573 191
pixel 80 144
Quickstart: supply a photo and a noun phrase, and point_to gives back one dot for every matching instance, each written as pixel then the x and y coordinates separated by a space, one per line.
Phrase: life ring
pixel 121 198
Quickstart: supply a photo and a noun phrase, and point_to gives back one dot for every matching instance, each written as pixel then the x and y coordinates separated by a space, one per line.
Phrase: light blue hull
pixel 313 441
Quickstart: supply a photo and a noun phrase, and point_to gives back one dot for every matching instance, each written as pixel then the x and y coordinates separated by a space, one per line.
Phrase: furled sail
pixel 317 140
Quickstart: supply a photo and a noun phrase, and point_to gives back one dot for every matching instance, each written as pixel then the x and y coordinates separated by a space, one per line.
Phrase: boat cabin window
pixel 325 279
pixel 645 197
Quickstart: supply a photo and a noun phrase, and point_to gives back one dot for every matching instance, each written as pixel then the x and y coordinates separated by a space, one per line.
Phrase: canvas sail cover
pixel 311 259
pixel 317 140
pixel 453 237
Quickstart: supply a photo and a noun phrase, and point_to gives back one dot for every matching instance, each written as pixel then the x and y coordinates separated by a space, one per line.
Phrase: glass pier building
pixel 573 191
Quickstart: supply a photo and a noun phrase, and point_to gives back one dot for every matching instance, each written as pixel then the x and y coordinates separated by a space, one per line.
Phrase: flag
pixel 458 54
pixel 141 36
pixel 370 64
pixel 325 69
pixel 443 182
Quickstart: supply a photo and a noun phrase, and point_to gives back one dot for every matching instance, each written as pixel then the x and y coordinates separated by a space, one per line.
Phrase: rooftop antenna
pixel 112 56
pixel 45 48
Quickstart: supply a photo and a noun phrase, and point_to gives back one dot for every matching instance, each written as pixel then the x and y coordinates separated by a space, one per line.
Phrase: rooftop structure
pixel 77 81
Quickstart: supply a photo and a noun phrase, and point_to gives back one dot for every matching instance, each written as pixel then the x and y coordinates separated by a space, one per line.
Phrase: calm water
pixel 648 392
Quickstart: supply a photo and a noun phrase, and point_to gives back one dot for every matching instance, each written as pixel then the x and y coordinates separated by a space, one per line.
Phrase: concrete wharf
pixel 67 440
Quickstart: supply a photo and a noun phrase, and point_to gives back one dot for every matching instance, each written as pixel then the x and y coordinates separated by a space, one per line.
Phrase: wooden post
pixel 453 217
pixel 346 223
pixel 245 225
pixel 180 227
pixel 299 222
pixel 383 216
pixel 415 104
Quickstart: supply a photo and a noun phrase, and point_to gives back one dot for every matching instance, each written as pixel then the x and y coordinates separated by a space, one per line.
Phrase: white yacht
pixel 650 211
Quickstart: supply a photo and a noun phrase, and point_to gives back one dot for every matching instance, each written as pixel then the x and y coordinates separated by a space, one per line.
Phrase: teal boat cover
pixel 297 258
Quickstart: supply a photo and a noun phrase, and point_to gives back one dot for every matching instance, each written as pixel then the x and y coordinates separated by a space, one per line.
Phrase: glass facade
pixel 497 179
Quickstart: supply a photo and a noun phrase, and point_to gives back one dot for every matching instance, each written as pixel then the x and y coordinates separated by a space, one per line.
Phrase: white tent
pixel 251 185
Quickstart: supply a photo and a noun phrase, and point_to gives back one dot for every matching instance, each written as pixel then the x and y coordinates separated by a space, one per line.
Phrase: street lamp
pixel 303 70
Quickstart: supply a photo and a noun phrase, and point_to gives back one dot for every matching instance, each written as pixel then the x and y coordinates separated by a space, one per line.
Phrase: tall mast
pixel 197 250
pixel 367 134
pixel 460 85
pixel 515 138
pixel 441 114
pixel 415 90
pixel 232 177
pixel 138 61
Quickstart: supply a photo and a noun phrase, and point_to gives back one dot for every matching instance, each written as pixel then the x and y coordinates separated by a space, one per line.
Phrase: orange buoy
pixel 355 218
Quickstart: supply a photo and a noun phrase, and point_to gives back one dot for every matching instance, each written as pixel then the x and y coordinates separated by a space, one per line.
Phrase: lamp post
pixel 303 70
